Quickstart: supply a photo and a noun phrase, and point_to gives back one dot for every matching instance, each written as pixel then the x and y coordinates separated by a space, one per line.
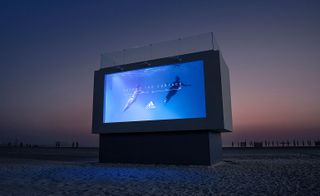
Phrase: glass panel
pixel 197 43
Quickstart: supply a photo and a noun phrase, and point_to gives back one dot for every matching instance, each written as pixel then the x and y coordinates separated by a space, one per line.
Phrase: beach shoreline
pixel 242 172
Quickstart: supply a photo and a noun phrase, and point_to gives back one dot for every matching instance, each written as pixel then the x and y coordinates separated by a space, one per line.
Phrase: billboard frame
pixel 216 78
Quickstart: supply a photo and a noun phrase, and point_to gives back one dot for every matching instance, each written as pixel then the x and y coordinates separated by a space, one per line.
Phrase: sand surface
pixel 243 172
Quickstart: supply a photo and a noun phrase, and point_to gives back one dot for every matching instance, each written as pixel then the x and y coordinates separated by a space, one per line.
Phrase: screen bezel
pixel 201 96
pixel 214 109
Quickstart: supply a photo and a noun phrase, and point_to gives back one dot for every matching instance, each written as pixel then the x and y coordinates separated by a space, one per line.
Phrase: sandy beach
pixel 242 172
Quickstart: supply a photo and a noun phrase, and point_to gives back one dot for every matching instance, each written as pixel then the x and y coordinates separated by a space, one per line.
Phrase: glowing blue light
pixel 174 91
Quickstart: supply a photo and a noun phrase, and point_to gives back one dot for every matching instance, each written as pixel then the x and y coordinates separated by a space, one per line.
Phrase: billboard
pixel 186 93
pixel 166 92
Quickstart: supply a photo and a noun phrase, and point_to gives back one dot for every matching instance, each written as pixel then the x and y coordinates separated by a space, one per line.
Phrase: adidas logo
pixel 150 105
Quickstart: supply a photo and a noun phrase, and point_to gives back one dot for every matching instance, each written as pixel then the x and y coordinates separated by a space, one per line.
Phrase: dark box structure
pixel 173 141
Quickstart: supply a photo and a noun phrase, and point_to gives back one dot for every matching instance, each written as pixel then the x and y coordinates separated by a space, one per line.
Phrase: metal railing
pixel 197 43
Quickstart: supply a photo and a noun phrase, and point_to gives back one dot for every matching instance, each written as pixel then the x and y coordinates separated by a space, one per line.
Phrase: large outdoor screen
pixel 167 92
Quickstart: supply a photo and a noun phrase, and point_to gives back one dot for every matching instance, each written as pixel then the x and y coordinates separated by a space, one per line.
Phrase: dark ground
pixel 56 154
pixel 66 171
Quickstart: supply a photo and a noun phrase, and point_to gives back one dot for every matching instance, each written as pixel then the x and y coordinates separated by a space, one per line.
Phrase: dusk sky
pixel 50 49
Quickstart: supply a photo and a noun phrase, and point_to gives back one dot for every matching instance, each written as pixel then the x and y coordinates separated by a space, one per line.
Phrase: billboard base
pixel 179 148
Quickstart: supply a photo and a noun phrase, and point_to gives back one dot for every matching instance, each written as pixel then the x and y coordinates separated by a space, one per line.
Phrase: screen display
pixel 167 92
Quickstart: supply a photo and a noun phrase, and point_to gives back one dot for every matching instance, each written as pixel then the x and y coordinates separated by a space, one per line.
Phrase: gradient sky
pixel 50 49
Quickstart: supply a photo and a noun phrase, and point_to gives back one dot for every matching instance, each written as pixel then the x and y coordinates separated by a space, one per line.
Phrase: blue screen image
pixel 166 92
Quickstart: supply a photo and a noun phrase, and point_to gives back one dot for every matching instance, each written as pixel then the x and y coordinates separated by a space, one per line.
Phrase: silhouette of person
pixel 177 85
pixel 133 97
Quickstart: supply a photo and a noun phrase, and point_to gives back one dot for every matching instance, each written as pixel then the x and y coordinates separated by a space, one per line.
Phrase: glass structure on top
pixel 186 45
